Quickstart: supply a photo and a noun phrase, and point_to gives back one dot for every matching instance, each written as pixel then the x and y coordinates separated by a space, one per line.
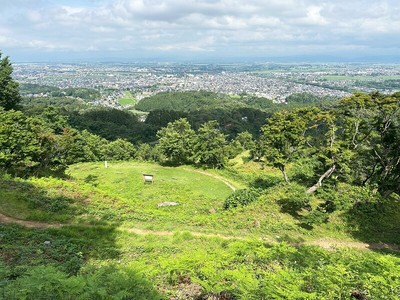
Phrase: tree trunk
pixel 319 182
pixel 285 175
pixel 387 193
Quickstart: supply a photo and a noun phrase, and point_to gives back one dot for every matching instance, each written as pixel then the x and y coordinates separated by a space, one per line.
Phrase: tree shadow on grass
pixel 29 245
pixel 66 247
pixel 26 200
pixel 265 182
pixel 57 202
pixel 92 179
pixel 375 222
pixel 290 240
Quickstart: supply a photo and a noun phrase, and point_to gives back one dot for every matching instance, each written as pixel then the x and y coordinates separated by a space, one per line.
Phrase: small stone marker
pixel 105 164
pixel 47 243
pixel 167 204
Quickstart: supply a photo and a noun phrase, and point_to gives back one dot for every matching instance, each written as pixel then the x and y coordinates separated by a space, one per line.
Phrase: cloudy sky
pixel 40 30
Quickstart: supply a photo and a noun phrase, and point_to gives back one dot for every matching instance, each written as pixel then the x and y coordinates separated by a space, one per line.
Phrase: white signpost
pixel 148 178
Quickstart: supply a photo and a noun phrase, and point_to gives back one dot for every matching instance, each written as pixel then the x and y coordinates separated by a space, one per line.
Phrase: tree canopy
pixel 358 141
pixel 176 141
pixel 9 93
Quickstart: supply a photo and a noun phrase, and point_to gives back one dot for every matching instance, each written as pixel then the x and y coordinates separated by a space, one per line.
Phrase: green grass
pixel 117 195
pixel 138 112
pixel 166 265
pixel 106 208
pixel 196 193
pixel 127 99
pixel 361 78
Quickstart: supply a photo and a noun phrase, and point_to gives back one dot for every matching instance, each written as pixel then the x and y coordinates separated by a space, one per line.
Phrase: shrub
pixel 295 199
pixel 241 197
pixel 107 282
pixel 344 196
pixel 316 217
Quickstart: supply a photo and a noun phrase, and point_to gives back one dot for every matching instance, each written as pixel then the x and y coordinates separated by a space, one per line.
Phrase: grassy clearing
pixel 117 195
pixel 127 99
pixel 105 207
pixel 200 196
pixel 138 112
pixel 195 193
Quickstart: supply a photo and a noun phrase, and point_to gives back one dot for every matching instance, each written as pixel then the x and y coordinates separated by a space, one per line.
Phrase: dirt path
pixel 170 233
pixel 29 224
pixel 328 244
pixel 220 178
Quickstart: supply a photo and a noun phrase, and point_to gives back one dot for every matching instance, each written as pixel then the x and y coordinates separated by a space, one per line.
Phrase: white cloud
pixel 220 26
pixel 314 16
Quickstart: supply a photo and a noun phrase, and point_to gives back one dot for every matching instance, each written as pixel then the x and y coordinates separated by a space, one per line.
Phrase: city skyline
pixel 129 30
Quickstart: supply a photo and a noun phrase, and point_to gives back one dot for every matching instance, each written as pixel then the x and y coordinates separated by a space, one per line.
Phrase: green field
pixel 361 78
pixel 109 237
pixel 196 193
pixel 127 99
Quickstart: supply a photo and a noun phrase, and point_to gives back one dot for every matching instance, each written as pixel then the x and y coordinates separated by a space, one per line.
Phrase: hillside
pixel 108 236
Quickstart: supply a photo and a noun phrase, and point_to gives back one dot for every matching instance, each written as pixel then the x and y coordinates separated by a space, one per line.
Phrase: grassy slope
pixel 115 199
pixel 117 194
pixel 196 193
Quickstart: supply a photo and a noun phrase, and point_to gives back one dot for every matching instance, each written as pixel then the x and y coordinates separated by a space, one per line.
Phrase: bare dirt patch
pixel 328 244
pixel 29 224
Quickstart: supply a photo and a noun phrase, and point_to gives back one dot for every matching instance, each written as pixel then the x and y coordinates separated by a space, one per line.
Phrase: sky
pixel 247 30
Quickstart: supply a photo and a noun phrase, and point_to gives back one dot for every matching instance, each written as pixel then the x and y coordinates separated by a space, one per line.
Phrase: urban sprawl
pixel 272 81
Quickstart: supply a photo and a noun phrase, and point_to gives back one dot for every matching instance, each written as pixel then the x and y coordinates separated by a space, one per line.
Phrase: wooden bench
pixel 148 178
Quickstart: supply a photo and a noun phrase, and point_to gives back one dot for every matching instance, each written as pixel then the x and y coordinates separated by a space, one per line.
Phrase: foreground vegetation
pixel 306 208
pixel 84 263
pixel 118 243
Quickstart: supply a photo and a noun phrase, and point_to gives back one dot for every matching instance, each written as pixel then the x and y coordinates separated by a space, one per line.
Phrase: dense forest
pixel 334 158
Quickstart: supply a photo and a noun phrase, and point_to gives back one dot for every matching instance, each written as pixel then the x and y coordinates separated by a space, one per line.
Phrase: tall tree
pixel 119 150
pixel 325 148
pixel 9 89
pixel 211 146
pixel 371 130
pixel 360 142
pixel 176 141
pixel 26 146
pixel 387 151
pixel 284 135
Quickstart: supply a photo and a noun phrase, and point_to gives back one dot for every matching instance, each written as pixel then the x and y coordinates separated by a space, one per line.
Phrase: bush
pixel 295 199
pixel 344 197
pixel 316 217
pixel 107 282
pixel 241 197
